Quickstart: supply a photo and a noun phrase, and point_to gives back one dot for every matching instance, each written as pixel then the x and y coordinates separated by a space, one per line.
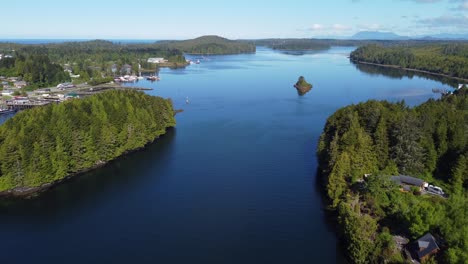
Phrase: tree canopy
pixel 46 144
pixel 447 58
pixel 380 139
pixel 210 45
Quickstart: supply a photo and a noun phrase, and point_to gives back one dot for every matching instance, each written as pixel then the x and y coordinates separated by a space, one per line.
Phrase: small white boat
pixel 4 111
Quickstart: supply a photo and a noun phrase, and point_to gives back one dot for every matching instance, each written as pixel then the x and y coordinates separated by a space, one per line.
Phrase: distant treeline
pixel 210 45
pixel 380 139
pixel 45 144
pixel 321 44
pixel 294 44
pixel 100 59
pixel 90 59
pixel 448 59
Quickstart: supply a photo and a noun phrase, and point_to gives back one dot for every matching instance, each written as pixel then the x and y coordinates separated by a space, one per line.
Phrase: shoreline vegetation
pixel 210 45
pixel 64 140
pixel 362 146
pixel 446 59
pixel 409 69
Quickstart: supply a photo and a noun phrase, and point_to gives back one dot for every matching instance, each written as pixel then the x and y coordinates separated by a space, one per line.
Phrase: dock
pixel 25 104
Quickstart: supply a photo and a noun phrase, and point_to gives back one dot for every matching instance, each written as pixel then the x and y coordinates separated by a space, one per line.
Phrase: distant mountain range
pixel 377 35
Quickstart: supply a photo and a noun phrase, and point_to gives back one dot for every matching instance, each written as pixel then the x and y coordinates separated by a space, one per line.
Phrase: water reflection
pixel 124 173
pixel 375 70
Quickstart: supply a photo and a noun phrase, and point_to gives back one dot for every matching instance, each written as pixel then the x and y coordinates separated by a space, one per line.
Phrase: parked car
pixel 435 189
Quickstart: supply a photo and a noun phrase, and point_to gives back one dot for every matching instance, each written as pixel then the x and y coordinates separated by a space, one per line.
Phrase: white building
pixel 7 93
pixel 156 60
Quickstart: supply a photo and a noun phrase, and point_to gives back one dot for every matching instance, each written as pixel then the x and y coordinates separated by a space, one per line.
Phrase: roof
pixel 426 245
pixel 403 179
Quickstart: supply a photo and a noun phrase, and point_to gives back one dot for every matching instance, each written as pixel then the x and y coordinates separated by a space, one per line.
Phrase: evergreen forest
pixel 46 144
pixel 363 145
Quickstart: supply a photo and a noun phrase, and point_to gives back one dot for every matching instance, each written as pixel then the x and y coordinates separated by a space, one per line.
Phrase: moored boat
pixel 4 111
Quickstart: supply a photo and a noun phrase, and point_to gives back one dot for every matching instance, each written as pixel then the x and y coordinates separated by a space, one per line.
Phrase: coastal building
pixel 20 84
pixel 423 248
pixel 156 60
pixel 7 93
pixel 406 182
pixel 126 69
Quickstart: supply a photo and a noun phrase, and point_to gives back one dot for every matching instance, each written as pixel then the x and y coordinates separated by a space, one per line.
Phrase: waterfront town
pixel 15 94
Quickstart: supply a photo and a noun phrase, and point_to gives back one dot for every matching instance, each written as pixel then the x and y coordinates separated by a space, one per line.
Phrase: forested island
pixel 294 44
pixel 302 86
pixel 363 146
pixel 448 59
pixel 45 145
pixel 210 45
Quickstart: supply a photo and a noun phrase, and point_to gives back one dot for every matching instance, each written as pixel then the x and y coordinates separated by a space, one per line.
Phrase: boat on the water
pixel 4 111
pixel 153 78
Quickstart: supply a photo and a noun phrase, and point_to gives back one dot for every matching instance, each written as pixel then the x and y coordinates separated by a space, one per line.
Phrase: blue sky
pixel 179 19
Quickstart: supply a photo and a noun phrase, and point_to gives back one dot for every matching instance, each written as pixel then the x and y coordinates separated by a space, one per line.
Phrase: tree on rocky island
pixel 302 86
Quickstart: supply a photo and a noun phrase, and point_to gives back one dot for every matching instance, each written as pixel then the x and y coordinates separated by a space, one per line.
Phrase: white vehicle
pixel 435 189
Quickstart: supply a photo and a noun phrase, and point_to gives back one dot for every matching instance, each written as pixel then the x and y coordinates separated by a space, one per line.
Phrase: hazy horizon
pixel 51 19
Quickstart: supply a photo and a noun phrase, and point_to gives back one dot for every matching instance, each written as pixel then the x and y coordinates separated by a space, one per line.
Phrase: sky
pixel 238 19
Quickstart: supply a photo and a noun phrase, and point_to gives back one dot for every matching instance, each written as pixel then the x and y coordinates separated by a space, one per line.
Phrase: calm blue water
pixel 234 182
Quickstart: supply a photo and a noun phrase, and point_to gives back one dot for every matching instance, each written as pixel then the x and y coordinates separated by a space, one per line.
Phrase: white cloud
pixel 317 27
pixel 341 27
pixel 333 28
pixel 464 5
pixel 330 30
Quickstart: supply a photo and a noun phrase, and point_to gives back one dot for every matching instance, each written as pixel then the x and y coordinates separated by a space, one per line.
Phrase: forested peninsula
pixel 447 59
pixel 45 145
pixel 364 145
pixel 209 45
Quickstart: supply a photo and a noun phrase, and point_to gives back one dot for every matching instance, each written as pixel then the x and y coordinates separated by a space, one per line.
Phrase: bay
pixel 234 182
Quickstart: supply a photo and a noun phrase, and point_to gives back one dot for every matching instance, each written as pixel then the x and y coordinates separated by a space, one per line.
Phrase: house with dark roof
pixel 423 248
pixel 406 182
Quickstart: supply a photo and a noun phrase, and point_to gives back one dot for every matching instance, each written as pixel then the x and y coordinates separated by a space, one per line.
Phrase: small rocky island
pixel 302 86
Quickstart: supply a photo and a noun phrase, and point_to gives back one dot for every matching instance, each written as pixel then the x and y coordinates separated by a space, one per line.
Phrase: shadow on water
pixel 330 217
pixel 118 177
pixel 375 70
pixel 299 52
